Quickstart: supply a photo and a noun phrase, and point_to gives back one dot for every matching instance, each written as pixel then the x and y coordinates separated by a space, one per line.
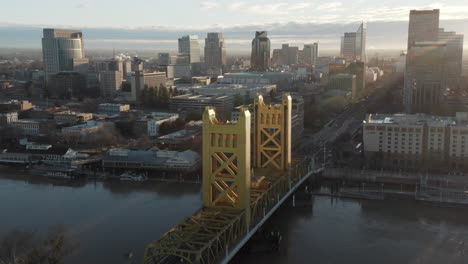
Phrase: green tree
pixel 163 94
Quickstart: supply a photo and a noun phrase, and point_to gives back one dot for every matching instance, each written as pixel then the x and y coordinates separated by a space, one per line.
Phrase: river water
pixel 108 219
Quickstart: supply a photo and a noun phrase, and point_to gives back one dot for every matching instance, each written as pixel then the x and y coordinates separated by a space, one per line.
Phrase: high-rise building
pixel 62 50
pixel 110 82
pixel 188 45
pixel 66 84
pixel 260 58
pixel 425 77
pixel 454 43
pixel 423 26
pixel 141 80
pixel 310 54
pixel 353 44
pixel 433 64
pixel 215 50
pixel 289 55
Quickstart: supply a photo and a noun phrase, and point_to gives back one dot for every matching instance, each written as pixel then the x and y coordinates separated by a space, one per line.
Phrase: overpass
pixel 240 192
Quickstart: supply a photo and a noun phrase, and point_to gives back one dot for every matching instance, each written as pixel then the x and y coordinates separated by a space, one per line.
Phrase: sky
pixel 145 23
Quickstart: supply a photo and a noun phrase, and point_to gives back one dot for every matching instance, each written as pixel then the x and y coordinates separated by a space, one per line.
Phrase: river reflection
pixel 335 230
pixel 109 219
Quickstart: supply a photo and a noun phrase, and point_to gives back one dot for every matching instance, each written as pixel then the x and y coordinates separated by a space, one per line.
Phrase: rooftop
pixel 416 119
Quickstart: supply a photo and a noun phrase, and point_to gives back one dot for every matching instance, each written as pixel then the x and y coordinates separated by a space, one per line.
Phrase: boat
pixel 133 176
pixel 57 174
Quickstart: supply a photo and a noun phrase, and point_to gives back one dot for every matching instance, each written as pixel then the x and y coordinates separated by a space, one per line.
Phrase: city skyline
pixel 200 15
pixel 285 24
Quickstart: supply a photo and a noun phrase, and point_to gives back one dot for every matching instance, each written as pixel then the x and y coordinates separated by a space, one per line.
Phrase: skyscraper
pixel 433 64
pixel 289 55
pixel 454 43
pixel 260 58
pixel 215 50
pixel 353 44
pixel 62 50
pixel 310 53
pixel 425 77
pixel 423 26
pixel 188 45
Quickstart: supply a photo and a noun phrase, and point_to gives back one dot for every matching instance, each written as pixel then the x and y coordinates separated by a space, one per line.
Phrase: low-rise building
pixel 416 142
pixel 33 127
pixel 71 118
pixel 255 77
pixel 165 160
pixel 154 120
pixel 113 108
pixel 247 91
pixel 8 117
pixel 83 129
pixel 192 103
pixel 16 105
pixel 44 153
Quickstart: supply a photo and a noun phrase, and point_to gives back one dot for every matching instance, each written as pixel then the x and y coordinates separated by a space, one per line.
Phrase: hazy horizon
pixel 381 35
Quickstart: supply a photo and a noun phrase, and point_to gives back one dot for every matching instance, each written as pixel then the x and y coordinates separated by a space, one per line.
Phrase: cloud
pixel 270 9
pixel 236 5
pixel 83 5
pixel 208 5
pixel 298 6
pixel 331 5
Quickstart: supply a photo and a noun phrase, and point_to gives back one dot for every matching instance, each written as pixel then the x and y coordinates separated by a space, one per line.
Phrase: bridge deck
pixel 207 235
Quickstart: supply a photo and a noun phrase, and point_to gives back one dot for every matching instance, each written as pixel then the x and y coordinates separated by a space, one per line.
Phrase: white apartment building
pixel 402 141
pixel 156 119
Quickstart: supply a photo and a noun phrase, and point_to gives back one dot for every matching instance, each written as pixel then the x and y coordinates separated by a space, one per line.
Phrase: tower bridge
pixel 239 193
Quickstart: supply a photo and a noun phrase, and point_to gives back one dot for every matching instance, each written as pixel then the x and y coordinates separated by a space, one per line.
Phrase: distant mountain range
pixel 380 35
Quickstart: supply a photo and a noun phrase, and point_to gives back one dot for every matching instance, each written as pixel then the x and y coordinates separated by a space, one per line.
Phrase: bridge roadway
pixel 216 235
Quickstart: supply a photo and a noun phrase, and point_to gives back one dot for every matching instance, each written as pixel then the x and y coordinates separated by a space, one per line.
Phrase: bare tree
pixel 24 247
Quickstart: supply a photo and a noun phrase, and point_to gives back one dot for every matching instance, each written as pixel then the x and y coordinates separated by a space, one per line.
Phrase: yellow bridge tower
pixel 272 143
pixel 226 162
pixel 236 199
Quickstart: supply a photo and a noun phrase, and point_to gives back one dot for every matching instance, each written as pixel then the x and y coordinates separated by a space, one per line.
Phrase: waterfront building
pixel 260 57
pixel 165 160
pixel 62 50
pixel 416 142
pixel 215 51
pixel 353 44
pixel 189 46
